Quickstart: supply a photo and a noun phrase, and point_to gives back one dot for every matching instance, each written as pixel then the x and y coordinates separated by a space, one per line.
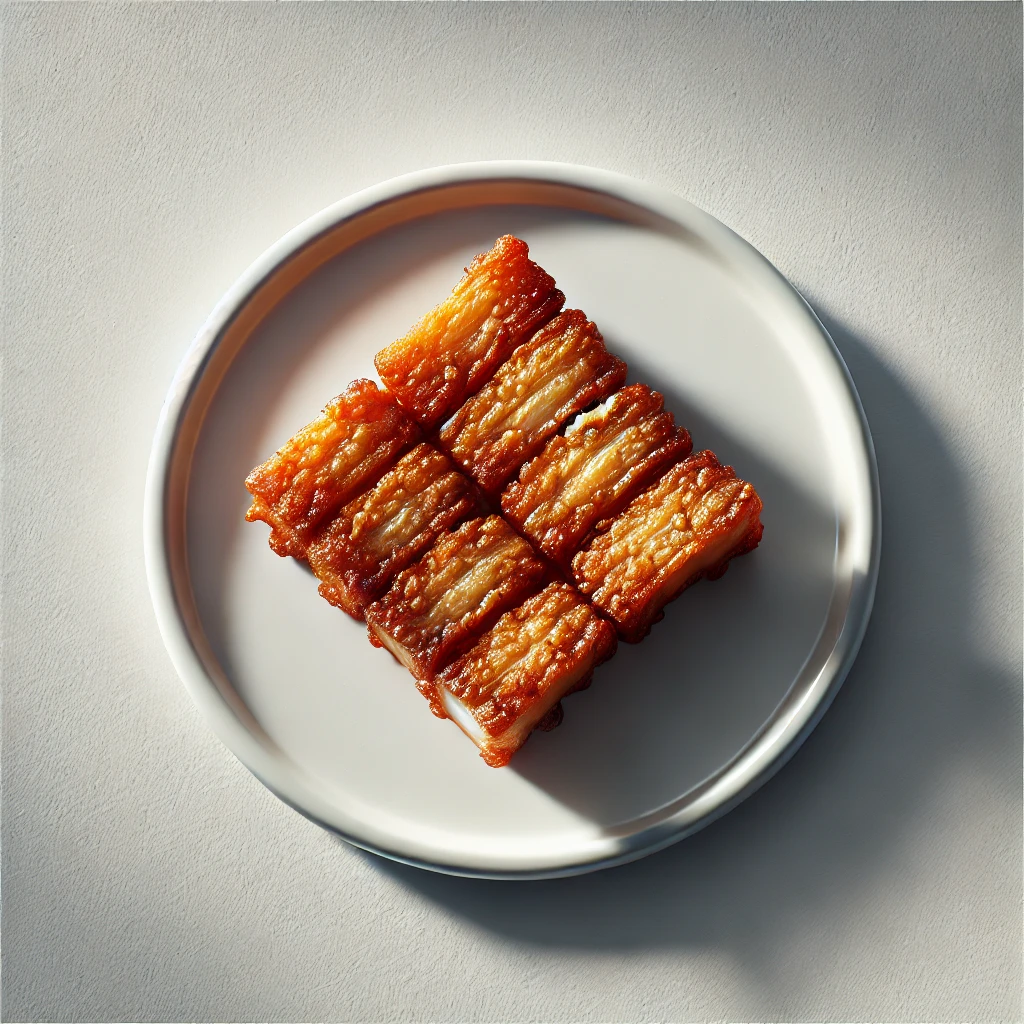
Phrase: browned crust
pixel 592 471
pixel 387 528
pixel 326 464
pixel 562 370
pixel 456 347
pixel 685 528
pixel 438 607
pixel 532 657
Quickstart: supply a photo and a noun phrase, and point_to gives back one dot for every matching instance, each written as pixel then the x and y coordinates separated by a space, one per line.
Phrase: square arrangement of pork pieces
pixel 686 527
pixel 383 531
pixel 562 370
pixel 455 348
pixel 512 680
pixel 353 442
pixel 589 473
pixel 439 607
pixel 498 401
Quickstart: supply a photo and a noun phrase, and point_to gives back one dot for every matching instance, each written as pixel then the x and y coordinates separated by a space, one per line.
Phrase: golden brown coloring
pixel 455 348
pixel 383 531
pixel 439 607
pixel 329 462
pixel 559 372
pixel 587 475
pixel 510 683
pixel 686 527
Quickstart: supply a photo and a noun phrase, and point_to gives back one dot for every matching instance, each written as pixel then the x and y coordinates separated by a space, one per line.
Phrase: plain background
pixel 151 152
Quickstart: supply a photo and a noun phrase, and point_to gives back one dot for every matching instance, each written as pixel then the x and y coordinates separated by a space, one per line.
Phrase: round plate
pixel 675 730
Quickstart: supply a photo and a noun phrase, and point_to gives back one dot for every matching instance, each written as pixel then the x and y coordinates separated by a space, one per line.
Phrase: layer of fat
pixel 462 716
pixel 406 520
pixel 541 404
pixel 598 470
pixel 362 439
pixel 586 474
pixel 471 310
pixel 400 652
pixel 469 591
pixel 517 732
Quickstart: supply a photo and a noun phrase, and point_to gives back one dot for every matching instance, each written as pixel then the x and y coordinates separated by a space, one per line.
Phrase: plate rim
pixel 282 778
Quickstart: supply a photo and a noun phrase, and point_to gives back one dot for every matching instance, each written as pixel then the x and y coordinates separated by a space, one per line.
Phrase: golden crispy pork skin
pixel 684 528
pixel 512 680
pixel 455 348
pixel 440 606
pixel 384 530
pixel 590 473
pixel 357 437
pixel 562 370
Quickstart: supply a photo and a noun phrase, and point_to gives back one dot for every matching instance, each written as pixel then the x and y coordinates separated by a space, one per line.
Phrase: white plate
pixel 674 731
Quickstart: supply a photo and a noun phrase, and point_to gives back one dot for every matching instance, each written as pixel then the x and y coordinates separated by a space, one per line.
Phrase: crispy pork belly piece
pixel 384 530
pixel 439 607
pixel 510 683
pixel 686 527
pixel 325 465
pixel 559 372
pixel 455 348
pixel 590 473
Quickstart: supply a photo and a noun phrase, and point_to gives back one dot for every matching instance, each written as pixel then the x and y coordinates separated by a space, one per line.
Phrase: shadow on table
pixel 919 701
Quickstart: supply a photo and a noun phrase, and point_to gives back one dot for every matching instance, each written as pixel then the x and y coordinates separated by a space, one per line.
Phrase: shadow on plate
pixel 919 701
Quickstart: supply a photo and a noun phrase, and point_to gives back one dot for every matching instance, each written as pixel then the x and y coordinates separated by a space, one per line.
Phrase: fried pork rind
pixel 386 529
pixel 455 348
pixel 590 473
pixel 356 439
pixel 559 372
pixel 686 527
pixel 439 607
pixel 511 682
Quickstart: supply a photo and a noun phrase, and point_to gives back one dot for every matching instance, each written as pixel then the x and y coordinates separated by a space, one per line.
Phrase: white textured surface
pixel 150 152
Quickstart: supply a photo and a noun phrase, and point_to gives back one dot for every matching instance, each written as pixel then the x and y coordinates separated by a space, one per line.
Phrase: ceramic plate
pixel 674 731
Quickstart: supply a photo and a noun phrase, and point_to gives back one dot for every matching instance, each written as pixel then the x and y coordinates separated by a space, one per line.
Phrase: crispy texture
pixel 686 527
pixel 455 348
pixel 560 371
pixel 386 529
pixel 439 607
pixel 327 463
pixel 591 472
pixel 512 680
